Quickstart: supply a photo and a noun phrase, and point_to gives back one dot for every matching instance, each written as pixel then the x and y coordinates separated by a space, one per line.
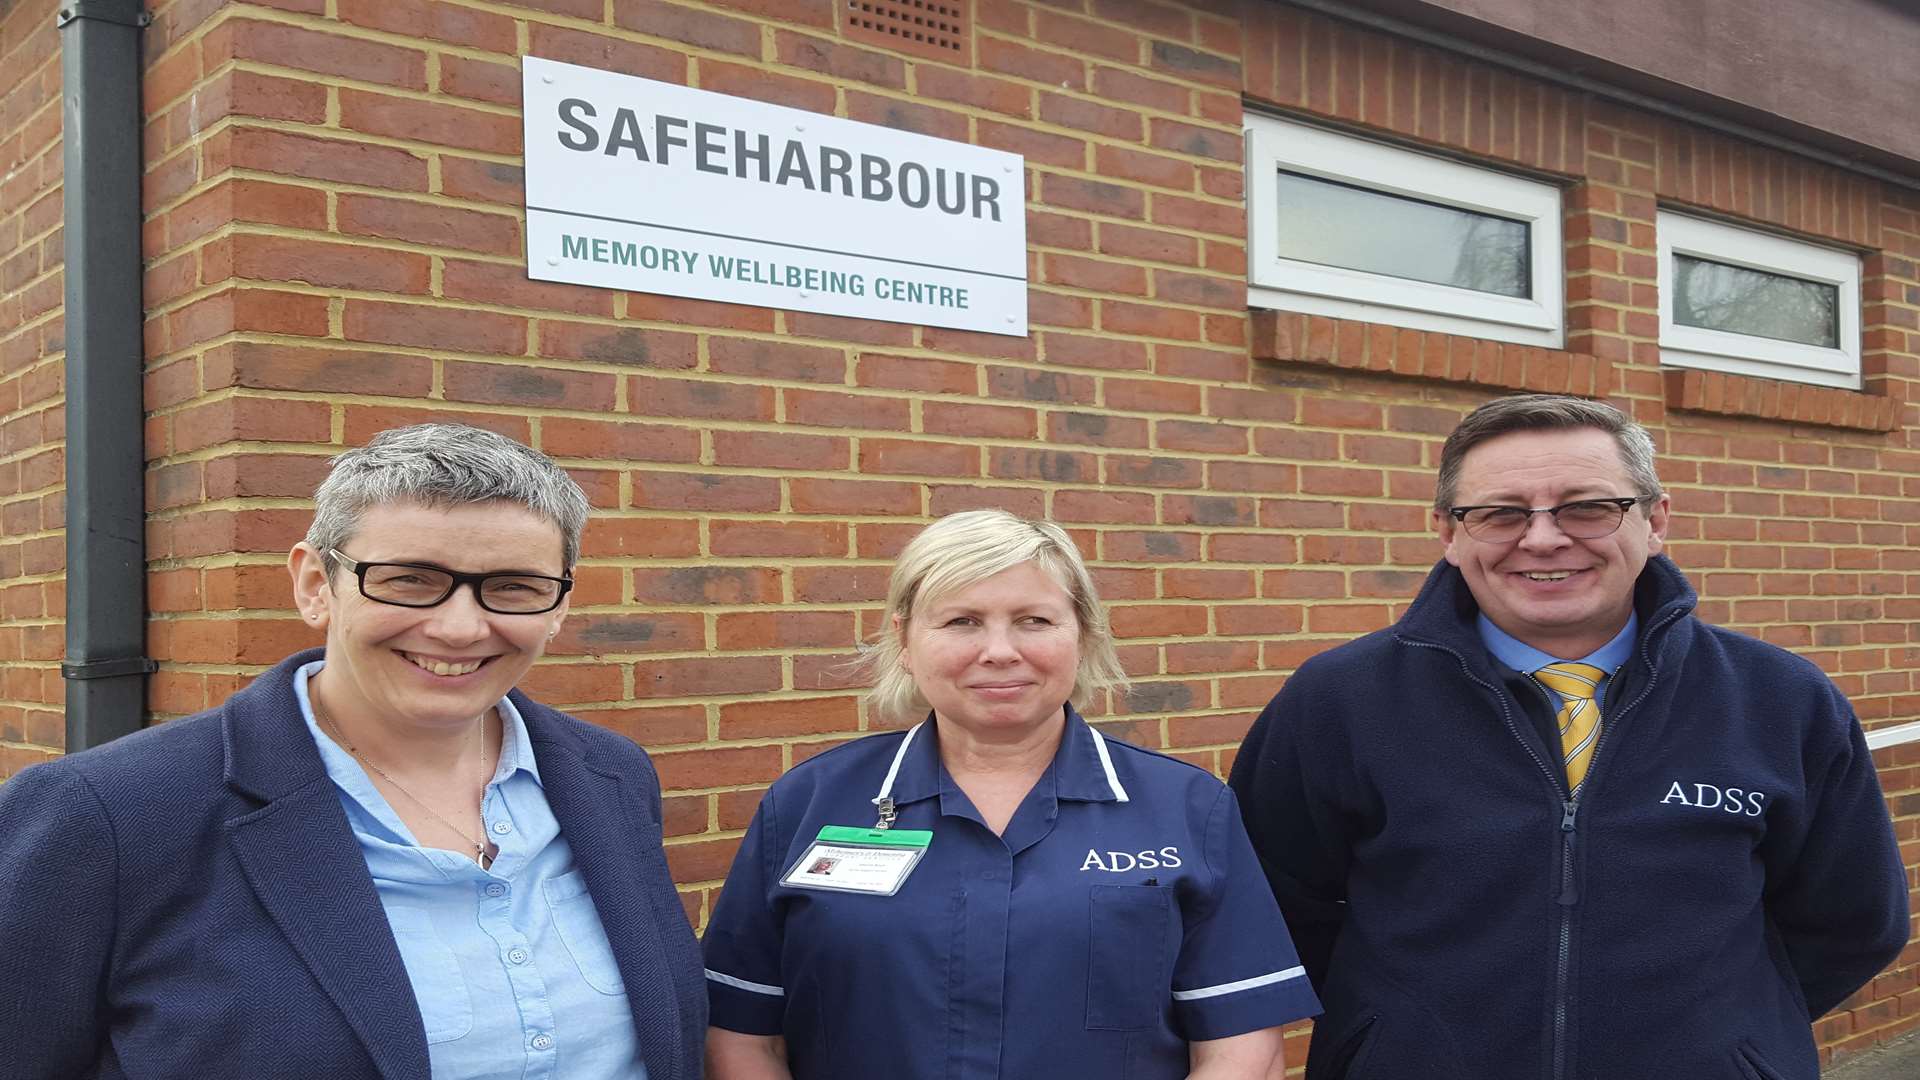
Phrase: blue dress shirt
pixel 511 966
pixel 1526 659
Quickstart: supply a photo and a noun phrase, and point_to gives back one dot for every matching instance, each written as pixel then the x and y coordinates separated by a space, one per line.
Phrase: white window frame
pixel 1292 285
pixel 1746 354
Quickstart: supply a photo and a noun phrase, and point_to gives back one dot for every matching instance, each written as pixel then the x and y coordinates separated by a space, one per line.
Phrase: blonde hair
pixel 960 550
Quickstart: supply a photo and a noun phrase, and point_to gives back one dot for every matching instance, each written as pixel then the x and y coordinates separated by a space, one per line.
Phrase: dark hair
pixel 1545 412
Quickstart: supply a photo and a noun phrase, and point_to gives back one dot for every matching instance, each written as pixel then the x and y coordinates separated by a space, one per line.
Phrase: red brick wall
pixel 32 342
pixel 334 240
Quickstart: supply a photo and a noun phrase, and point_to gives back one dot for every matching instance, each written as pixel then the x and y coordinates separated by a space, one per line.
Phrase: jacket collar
pixel 306 869
pixel 1444 613
pixel 1083 768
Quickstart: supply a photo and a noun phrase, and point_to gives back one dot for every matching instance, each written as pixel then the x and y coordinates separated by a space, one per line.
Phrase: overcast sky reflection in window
pixel 1334 224
pixel 1720 296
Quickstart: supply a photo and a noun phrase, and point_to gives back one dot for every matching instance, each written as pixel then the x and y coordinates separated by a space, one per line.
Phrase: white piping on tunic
pixel 1236 987
pixel 1099 747
pixel 893 770
pixel 1106 763
pixel 758 988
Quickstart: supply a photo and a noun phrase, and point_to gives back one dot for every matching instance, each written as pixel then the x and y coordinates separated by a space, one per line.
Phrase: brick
pixel 816 408
pixel 436 328
pixel 311 157
pixel 901 456
pixel 312 50
pixel 603 52
pixel 428 223
pixel 777 360
pixel 429 122
pixel 431 20
pixel 707 585
pixel 699 399
pixel 1120 85
pixel 785 630
pixel 674 22
pixel 920 374
pixel 1156 245
pixel 1092 196
pixel 778 450
pixel 738 81
pixel 823 496
pixel 339 266
pixel 483 181
pixel 799 539
pixel 479 80
pixel 1018 61
pixel 518 384
pixel 629 346
pixel 787 717
pixel 688 770
pixel 506 285
pixel 705 491
pixel 944 499
pixel 1096 429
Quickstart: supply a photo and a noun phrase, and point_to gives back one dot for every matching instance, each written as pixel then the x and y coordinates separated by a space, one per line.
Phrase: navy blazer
pixel 189 901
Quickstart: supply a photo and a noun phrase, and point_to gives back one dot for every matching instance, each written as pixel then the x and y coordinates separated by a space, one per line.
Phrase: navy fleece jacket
pixel 1728 873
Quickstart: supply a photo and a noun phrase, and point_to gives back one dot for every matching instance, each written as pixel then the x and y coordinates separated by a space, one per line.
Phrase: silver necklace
pixel 479 848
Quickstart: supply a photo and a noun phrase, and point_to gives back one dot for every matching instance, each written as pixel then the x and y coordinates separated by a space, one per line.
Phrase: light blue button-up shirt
pixel 1526 659
pixel 511 966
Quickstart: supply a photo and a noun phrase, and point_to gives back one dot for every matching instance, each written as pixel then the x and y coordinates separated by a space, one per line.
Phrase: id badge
pixel 844 858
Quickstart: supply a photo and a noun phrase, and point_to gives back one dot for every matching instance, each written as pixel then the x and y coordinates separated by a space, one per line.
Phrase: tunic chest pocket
pixel 1128 981
pixel 446 1010
pixel 578 922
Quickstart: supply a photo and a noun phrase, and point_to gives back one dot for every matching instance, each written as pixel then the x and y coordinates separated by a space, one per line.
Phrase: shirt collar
pixel 1523 657
pixel 1083 767
pixel 516 749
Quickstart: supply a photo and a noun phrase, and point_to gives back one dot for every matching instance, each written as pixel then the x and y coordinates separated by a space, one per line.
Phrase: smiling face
pixel 1563 596
pixel 998 657
pixel 436 668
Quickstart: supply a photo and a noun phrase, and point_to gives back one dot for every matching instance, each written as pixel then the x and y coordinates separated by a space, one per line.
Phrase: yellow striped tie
pixel 1579 714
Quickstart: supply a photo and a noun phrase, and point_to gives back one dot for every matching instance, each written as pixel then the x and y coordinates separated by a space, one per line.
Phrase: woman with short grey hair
pixel 380 859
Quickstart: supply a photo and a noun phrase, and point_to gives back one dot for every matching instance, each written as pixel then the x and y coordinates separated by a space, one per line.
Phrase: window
pixel 1750 303
pixel 1355 229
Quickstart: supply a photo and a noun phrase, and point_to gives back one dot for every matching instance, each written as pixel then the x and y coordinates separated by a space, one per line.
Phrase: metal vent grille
pixel 932 28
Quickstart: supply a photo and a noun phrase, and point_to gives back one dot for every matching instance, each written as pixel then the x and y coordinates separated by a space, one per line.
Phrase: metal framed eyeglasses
pixel 1582 519
pixel 423 585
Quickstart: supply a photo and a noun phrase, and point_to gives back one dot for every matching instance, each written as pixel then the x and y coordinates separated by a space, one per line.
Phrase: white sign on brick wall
pixel 652 187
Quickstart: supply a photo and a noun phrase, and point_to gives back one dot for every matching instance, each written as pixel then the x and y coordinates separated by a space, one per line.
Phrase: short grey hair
pixel 1546 412
pixel 960 550
pixel 443 465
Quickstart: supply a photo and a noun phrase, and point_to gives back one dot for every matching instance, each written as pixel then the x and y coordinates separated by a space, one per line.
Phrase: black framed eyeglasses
pixel 423 585
pixel 1582 519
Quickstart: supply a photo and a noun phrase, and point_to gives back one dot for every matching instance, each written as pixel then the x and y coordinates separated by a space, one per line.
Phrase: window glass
pixel 1334 224
pixel 1719 296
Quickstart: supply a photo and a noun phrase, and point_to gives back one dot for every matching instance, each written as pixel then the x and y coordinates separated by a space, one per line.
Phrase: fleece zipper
pixel 1568 896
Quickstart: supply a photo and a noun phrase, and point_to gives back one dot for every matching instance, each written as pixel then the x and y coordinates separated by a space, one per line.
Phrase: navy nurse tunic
pixel 1121 915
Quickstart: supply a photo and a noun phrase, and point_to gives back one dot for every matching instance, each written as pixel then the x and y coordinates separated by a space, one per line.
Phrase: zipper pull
pixel 1568 895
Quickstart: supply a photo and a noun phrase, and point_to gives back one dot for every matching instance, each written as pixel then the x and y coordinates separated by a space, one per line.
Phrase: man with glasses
pixel 1550 824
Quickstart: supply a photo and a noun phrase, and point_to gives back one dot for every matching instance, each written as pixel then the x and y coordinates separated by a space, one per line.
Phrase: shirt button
pixel 543 1042
pixel 518 956
pixel 502 828
pixel 495 889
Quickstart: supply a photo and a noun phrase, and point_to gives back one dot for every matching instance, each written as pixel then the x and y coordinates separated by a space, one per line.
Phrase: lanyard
pixel 884 800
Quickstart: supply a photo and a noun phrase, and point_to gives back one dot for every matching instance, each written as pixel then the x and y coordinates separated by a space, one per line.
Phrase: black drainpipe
pixel 106 668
